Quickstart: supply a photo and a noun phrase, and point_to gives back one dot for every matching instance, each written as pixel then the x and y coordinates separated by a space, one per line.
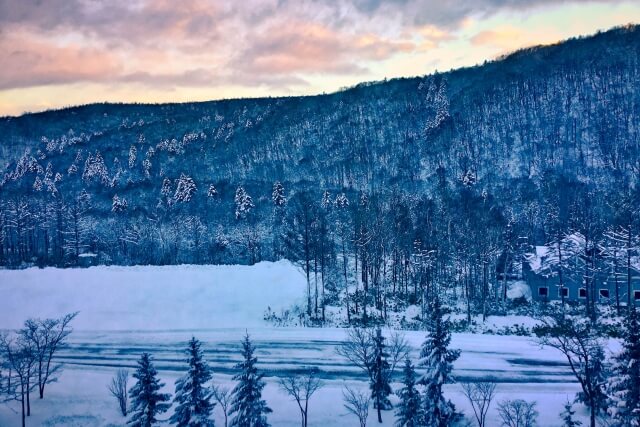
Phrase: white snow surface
pixel 151 297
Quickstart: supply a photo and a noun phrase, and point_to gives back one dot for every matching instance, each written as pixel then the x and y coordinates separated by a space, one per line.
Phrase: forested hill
pixel 465 164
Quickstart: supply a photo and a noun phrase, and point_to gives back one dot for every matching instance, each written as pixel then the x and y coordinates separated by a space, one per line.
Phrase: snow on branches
pixel 244 203
pixel 185 189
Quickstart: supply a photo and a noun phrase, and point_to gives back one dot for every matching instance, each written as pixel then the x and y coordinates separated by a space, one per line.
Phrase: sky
pixel 57 53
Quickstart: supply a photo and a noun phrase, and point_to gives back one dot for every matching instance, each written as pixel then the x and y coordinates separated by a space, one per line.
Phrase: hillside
pixel 388 188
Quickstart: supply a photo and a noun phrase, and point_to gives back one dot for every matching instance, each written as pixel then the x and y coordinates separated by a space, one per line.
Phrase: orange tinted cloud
pixel 509 38
pixel 33 62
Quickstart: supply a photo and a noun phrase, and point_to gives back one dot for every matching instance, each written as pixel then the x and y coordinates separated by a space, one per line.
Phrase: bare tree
pixel 359 346
pixel 480 394
pixel 301 388
pixel 517 413
pixel 222 395
pixel 578 340
pixel 118 389
pixel 20 358
pixel 47 337
pixel 357 403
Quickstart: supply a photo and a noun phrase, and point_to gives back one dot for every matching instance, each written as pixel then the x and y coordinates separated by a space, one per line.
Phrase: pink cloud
pixel 309 47
pixel 31 62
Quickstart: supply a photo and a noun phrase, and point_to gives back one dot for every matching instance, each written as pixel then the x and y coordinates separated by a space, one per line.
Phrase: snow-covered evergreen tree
pixel 277 196
pixel 37 184
pixel 243 202
pixel 342 201
pixel 212 191
pixel 409 411
pixel 185 189
pixel 146 166
pixel 380 388
pixel 326 200
pixel 118 204
pixel 247 406
pixel 95 169
pixel 624 386
pixel 193 398
pixel 146 400
pixel 133 153
pixel 567 416
pixel 437 359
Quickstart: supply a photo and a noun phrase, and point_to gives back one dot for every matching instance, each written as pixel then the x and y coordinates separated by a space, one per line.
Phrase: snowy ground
pixel 125 311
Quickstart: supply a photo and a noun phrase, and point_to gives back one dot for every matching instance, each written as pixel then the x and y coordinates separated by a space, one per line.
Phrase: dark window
pixel 582 293
pixel 543 291
pixel 636 295
pixel 563 292
pixel 604 293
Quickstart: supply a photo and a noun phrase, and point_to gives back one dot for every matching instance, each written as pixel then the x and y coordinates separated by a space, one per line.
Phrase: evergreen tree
pixel 409 412
pixel 185 189
pixel 247 406
pixel 146 400
pixel 380 388
pixel 437 359
pixel 192 396
pixel 567 416
pixel 277 195
pixel 244 203
pixel 625 382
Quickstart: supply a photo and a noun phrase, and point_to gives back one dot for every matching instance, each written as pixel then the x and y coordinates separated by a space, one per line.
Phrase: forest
pixel 386 193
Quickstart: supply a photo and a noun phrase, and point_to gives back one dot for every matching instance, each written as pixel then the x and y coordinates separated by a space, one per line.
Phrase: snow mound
pixel 151 297
pixel 519 289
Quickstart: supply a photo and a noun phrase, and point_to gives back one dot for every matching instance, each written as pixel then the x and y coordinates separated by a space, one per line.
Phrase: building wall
pixel 574 284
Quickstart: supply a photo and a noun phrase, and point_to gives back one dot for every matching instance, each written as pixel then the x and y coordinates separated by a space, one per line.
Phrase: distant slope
pixel 568 112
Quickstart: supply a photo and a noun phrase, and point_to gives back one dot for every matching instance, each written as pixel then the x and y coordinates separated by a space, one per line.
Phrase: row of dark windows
pixel 543 291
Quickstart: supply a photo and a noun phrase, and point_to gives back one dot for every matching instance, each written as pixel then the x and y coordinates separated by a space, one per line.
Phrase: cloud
pixel 35 62
pixel 313 48
pixel 450 14
pixel 280 44
pixel 508 38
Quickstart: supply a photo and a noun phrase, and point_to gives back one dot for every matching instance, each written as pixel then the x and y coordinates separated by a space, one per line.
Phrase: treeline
pixel 369 253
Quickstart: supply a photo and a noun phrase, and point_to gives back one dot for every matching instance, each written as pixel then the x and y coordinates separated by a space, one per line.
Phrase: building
pixel 542 269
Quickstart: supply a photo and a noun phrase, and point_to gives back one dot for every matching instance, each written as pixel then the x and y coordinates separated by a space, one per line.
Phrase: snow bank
pixel 151 297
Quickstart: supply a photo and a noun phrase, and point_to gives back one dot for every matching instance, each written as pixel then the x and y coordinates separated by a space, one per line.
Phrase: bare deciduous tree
pixel 480 394
pixel 119 389
pixel 578 339
pixel 20 358
pixel 357 403
pixel 222 395
pixel 517 413
pixel 47 337
pixel 359 346
pixel 301 388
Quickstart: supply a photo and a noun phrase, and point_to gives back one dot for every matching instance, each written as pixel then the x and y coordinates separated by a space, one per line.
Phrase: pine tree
pixel 278 195
pixel 185 189
pixel 146 400
pixel 409 412
pixel 192 396
pixel 625 382
pixel 247 405
pixel 244 203
pixel 567 416
pixel 118 204
pixel 437 359
pixel 380 388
